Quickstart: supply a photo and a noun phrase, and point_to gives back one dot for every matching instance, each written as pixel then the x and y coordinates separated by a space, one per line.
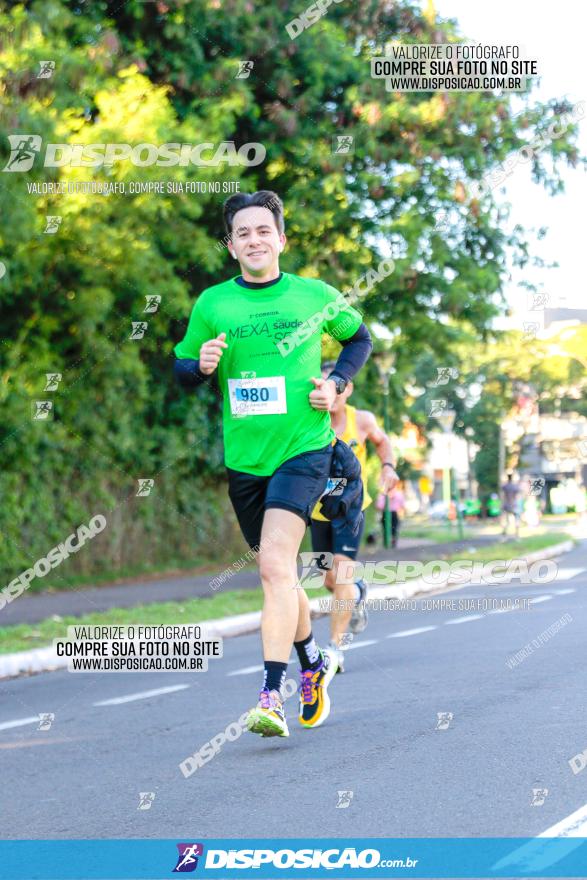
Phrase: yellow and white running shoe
pixel 314 699
pixel 268 716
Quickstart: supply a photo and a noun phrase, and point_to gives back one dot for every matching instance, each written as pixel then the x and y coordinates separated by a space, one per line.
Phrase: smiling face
pixel 256 243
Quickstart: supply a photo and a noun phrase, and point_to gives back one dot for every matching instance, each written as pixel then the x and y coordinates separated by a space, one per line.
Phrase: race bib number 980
pixel 257 397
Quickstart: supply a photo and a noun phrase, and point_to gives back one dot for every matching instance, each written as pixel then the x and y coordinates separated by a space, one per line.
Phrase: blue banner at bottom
pixel 288 858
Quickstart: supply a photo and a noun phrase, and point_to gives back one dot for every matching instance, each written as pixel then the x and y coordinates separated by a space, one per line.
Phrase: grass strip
pixel 23 637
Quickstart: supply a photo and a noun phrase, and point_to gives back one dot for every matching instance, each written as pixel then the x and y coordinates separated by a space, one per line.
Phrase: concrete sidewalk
pixel 34 607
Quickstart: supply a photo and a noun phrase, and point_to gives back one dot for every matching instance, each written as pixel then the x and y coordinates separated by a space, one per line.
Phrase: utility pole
pixel 386 510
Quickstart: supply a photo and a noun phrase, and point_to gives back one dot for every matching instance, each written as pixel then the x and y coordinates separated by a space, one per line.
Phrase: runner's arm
pixel 354 355
pixel 367 423
pixel 189 351
pixel 187 372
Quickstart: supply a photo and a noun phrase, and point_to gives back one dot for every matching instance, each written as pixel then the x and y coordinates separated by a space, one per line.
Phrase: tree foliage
pixel 488 380
pixel 167 72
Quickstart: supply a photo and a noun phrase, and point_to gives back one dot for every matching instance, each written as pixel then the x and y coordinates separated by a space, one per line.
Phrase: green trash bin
pixel 493 506
pixel 472 507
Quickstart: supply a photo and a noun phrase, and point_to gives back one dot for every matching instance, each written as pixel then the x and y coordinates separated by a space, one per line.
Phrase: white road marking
pixel 19 722
pixel 574 825
pixel 410 632
pixel 362 644
pixel 246 670
pixel 540 599
pixel 464 619
pixel 144 695
pixel 249 670
pixel 532 858
pixel 565 574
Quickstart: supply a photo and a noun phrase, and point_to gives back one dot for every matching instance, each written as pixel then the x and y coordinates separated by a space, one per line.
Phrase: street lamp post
pixel 384 358
pixel 386 509
pixel 469 433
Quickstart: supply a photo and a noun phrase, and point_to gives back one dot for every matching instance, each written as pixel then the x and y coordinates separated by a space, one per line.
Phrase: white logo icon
pixel 45 720
pixel 444 719
pixel 152 303
pixel 42 410
pixel 531 328
pixel 47 69
pixel 145 487
pixel 138 329
pixel 344 799
pixel 53 224
pixel 146 799
pixel 437 407
pixel 539 301
pixel 314 568
pixel 445 374
pixel 343 143
pixel 24 148
pixel 538 796
pixel 244 70
pixel 53 380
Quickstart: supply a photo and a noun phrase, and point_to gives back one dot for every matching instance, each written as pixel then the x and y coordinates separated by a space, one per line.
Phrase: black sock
pixel 308 653
pixel 274 677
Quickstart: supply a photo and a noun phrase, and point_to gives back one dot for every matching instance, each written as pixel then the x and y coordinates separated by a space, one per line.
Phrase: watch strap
pixel 340 382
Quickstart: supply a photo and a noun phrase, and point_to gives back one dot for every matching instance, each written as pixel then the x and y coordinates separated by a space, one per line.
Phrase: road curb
pixel 46 659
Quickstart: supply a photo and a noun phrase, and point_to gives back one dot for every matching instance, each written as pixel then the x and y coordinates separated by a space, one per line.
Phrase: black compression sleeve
pixel 355 353
pixel 187 372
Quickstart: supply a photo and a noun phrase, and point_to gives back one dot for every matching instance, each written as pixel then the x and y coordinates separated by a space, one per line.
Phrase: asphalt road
pixel 512 730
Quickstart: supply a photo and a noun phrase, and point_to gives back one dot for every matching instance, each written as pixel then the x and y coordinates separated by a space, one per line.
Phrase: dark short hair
pixel 262 199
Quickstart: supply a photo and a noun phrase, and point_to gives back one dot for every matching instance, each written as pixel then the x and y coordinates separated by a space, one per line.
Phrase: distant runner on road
pixel 355 427
pixel 278 440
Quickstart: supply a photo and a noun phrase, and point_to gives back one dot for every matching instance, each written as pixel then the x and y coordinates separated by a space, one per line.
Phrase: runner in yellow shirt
pixel 355 427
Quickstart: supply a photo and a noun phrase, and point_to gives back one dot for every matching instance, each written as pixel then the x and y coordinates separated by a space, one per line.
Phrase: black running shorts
pixel 296 485
pixel 328 538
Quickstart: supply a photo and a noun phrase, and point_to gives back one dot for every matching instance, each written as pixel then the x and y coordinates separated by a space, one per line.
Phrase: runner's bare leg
pixel 340 580
pixel 283 605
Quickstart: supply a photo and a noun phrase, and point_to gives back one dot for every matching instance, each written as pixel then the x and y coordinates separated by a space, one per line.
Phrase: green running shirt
pixel 264 380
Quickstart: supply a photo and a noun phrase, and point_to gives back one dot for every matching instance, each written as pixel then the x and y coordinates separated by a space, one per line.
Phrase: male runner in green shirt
pixel 262 332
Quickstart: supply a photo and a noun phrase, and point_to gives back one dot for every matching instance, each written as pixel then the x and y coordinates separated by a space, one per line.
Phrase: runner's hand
pixel 323 395
pixel 388 480
pixel 211 352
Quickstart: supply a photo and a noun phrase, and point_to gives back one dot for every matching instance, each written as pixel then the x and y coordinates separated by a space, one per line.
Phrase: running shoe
pixel 268 717
pixel 338 653
pixel 360 617
pixel 314 699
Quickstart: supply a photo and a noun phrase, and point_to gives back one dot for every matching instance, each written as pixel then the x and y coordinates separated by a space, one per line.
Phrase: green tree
pixel 167 72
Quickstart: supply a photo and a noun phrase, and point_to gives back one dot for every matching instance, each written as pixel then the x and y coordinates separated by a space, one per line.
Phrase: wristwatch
pixel 339 382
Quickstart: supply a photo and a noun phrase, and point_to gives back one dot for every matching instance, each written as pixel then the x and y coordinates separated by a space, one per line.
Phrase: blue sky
pixel 554 35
